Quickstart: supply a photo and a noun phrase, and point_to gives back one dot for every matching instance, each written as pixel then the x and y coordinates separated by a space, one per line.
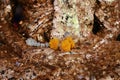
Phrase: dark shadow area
pixel 18 17
pixel 118 38
pixel 97 25
pixel 17 12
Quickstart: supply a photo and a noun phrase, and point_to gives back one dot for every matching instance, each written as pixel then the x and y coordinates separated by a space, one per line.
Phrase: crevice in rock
pixel 17 12
pixel 98 2
pixel 97 25
pixel 118 38
pixel 18 17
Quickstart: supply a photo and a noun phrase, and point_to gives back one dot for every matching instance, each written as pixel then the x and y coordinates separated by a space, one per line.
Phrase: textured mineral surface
pixel 73 18
pixel 27 26
pixel 108 13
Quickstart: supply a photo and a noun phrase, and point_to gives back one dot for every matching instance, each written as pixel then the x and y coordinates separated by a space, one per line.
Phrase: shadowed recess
pixel 97 25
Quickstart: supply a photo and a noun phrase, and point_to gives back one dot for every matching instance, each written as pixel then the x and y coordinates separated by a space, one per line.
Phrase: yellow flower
pixel 71 41
pixel 65 45
pixel 54 43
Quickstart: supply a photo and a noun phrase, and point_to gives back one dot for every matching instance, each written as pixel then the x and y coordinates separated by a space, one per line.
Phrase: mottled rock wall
pixel 86 18
pixel 73 18
pixel 45 19
pixel 39 16
pixel 81 19
pixel 108 13
pixel 5 11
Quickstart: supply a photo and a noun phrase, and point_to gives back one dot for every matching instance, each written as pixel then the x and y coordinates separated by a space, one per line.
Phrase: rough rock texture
pixel 44 19
pixel 95 57
pixel 86 18
pixel 13 40
pixel 73 18
pixel 78 18
pixel 40 15
pixel 108 13
pixel 5 11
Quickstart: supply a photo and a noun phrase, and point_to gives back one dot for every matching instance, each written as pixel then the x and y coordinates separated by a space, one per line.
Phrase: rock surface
pixel 74 18
pixel 95 57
